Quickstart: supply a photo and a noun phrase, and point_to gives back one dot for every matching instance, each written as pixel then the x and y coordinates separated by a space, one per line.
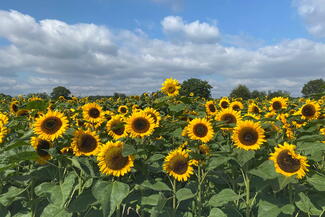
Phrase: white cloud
pixel 313 13
pixel 196 32
pixel 90 59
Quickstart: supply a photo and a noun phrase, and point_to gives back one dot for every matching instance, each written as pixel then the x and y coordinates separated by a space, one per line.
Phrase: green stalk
pixel 199 191
pixel 247 189
pixel 174 195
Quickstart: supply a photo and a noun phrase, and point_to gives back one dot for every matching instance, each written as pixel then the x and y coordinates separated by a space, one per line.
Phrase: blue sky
pixel 258 43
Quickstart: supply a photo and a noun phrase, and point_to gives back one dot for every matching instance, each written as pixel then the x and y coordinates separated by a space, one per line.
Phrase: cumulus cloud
pixel 90 59
pixel 196 32
pixel 313 13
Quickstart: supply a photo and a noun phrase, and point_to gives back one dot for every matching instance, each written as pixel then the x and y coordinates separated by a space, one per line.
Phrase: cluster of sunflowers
pixel 187 130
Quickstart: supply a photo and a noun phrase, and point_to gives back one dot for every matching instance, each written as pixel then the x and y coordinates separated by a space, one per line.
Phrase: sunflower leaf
pixel 184 194
pixel 305 205
pixel 223 197
pixel 216 212
pixel 266 208
pixel 265 171
pixel 317 181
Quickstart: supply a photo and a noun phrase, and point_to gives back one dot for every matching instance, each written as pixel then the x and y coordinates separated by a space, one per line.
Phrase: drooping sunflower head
pixel 237 105
pixel 204 149
pixel 278 103
pixel 229 115
pixel 14 107
pixel 22 113
pixel 210 108
pixel 253 108
pixel 224 103
pixel 51 125
pixel 178 165
pixel 3 119
pixel 200 129
pixel 310 110
pixel 93 112
pixel 123 109
pixel 139 124
pixel 41 147
pixel 85 143
pixel 248 135
pixel 287 162
pixel 116 127
pixel 154 114
pixel 112 162
pixel 171 87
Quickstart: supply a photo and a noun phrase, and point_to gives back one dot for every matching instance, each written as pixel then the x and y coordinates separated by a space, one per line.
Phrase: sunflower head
pixel 112 162
pixel 237 105
pixel 287 162
pixel 139 124
pixel 224 103
pixel 154 114
pixel 93 112
pixel 41 147
pixel 200 129
pixel 310 110
pixel 51 125
pixel 248 135
pixel 253 108
pixel 210 108
pixel 178 165
pixel 278 103
pixel 116 127
pixel 14 107
pixel 123 109
pixel 171 87
pixel 229 115
pixel 85 143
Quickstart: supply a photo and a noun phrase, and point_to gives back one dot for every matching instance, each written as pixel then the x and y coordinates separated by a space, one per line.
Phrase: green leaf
pixel 151 200
pixel 157 186
pixel 22 156
pixel 51 191
pixel 216 212
pixel 39 105
pixel 317 181
pixel 128 150
pixel 288 209
pixel 223 197
pixel 266 170
pixel 268 209
pixel 215 162
pixel 310 138
pixel 67 187
pixel 184 194
pixel 12 195
pixel 177 107
pixel 54 211
pixel 82 202
pixel 156 157
pixel 110 195
pixel 305 205
pixel 243 156
pixel 4 212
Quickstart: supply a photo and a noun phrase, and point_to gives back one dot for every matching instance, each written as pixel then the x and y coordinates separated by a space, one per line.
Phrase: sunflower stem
pixel 247 188
pixel 199 195
pixel 174 195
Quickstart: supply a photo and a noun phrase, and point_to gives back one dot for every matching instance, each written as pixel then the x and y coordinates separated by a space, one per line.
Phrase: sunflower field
pixel 169 155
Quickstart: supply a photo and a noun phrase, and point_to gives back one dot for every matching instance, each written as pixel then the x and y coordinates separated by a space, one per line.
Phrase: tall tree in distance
pixel 60 91
pixel 313 87
pixel 196 86
pixel 240 91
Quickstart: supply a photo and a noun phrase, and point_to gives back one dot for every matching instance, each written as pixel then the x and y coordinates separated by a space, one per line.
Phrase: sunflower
pixel 123 109
pixel 3 132
pixel 210 108
pixel 204 149
pixel 112 162
pixel 3 119
pixel 41 147
pixel 171 87
pixel 34 98
pixel 139 124
pixel 228 115
pixel 14 107
pixel 85 143
pixel 154 114
pixel 93 112
pixel 200 129
pixel 22 112
pixel 237 105
pixel 178 165
pixel 51 125
pixel 287 162
pixel 116 127
pixel 310 110
pixel 278 103
pixel 253 108
pixel 224 103
pixel 248 135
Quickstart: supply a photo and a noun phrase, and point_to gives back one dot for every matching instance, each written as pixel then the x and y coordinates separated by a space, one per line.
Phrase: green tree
pixel 258 94
pixel 240 91
pixel 277 93
pixel 313 87
pixel 60 91
pixel 196 86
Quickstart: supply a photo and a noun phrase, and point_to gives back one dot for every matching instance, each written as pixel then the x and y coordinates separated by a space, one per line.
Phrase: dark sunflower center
pixel 51 125
pixel 171 89
pixel 114 159
pixel 212 108
pixel 277 105
pixel 14 107
pixel 123 110
pixel 287 163
pixel 256 110
pixel 140 125
pixel 22 112
pixel 200 130
pixel 178 164
pixel 248 136
pixel 118 128
pixel 224 104
pixel 236 107
pixel 229 118
pixel 308 110
pixel 94 113
pixel 42 148
pixel 87 143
